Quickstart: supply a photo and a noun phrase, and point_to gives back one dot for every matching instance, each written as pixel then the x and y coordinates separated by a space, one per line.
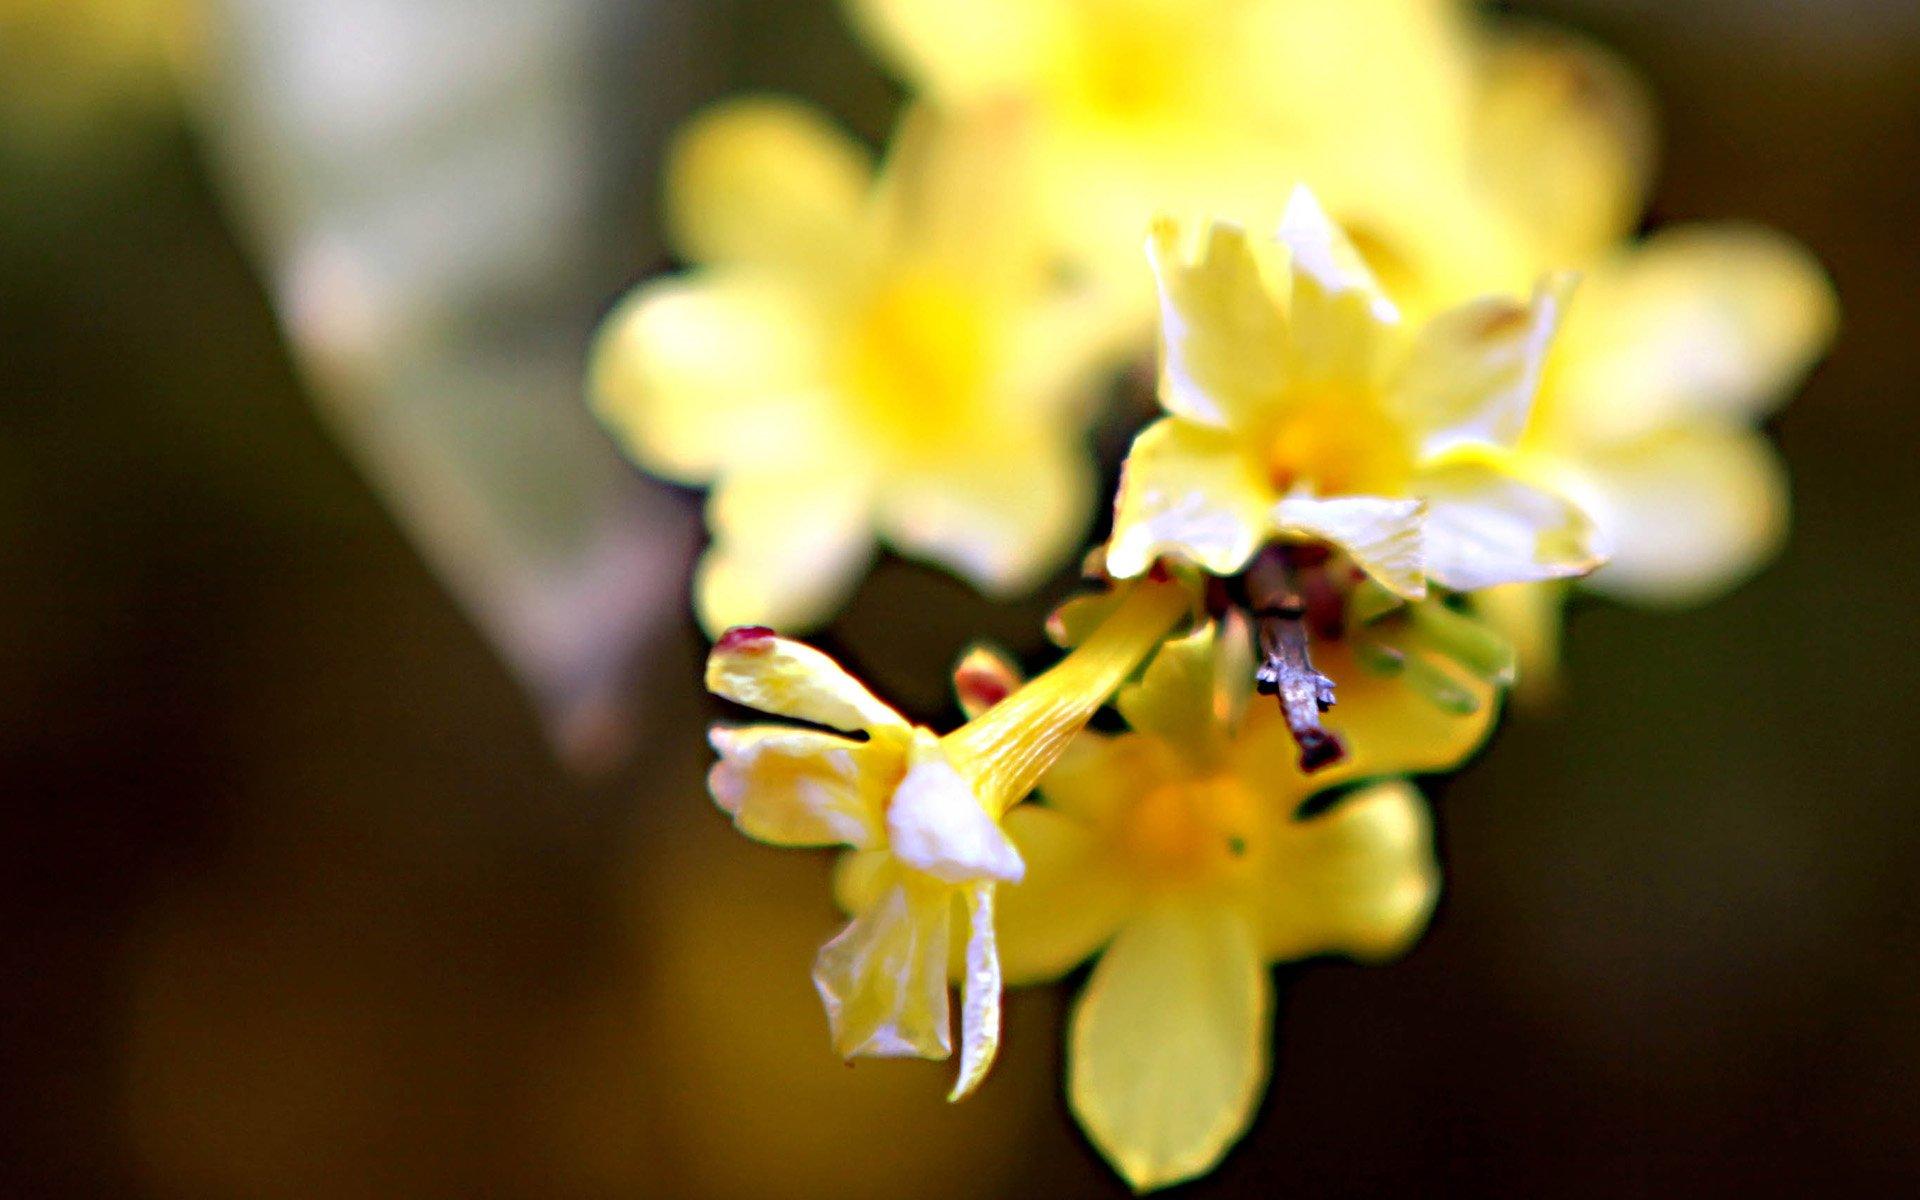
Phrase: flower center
pixel 1191 831
pixel 917 361
pixel 1338 445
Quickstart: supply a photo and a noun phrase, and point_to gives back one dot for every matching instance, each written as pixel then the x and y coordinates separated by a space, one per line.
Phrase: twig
pixel 1286 671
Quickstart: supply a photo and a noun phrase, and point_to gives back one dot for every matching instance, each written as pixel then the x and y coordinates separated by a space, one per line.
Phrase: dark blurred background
pixel 303 903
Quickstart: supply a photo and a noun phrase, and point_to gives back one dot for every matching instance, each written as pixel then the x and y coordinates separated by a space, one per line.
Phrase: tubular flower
pixel 854 357
pixel 1141 106
pixel 925 810
pixel 1179 848
pixel 1302 408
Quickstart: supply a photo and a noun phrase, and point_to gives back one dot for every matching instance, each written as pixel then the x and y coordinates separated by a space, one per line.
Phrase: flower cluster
pixel 1417 375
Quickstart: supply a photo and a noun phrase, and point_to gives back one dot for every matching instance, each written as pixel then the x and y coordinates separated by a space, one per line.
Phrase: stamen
pixel 1280 612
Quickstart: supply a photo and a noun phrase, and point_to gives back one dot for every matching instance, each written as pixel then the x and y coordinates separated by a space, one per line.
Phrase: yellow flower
pixel 1179 847
pixel 925 808
pixel 1303 407
pixel 1220 106
pixel 856 356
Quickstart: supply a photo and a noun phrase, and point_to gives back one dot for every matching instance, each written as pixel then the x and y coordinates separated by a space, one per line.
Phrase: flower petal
pixel 1337 313
pixel 777 675
pixel 1530 617
pixel 1359 879
pixel 1223 327
pixel 1564 141
pixel 980 994
pixel 800 787
pixel 1099 770
pixel 712 368
pixel 1486 527
pixel 1189 492
pixel 960 51
pixel 1690 512
pixel 937 824
pixel 1004 517
pixel 1700 320
pixel 790 543
pixel 1069 904
pixel 1167 1050
pixel 1473 371
pixel 883 978
pixel 1383 537
pixel 769 182
pixel 1181 697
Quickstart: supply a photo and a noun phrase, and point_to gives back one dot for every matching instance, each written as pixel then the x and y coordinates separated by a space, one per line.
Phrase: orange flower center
pixel 1191 831
pixel 1339 445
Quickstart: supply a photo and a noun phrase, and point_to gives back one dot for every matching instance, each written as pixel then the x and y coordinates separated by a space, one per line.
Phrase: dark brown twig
pixel 1286 671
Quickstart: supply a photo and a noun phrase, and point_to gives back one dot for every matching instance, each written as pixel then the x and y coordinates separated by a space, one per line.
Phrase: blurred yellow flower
pixel 926 809
pixel 1180 849
pixel 1302 407
pixel 854 356
pixel 1221 106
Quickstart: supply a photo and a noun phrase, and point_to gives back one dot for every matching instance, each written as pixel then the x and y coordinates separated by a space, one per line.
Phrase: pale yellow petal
pixel 883 978
pixel 777 675
pixel 1098 771
pixel 1473 370
pixel 1188 492
pixel 1564 142
pixel 1182 697
pixel 1167 1047
pixel 1689 512
pixel 1070 902
pixel 1223 326
pixel 766 182
pixel 961 51
pixel 937 824
pixel 790 542
pixel 1530 617
pixel 980 993
pixel 1383 537
pixel 695 372
pixel 1003 516
pixel 1339 319
pixel 1486 527
pixel 1359 879
pixel 1701 320
pixel 801 787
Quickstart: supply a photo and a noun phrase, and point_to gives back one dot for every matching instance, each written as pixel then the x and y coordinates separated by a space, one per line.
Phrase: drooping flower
pixel 854 357
pixel 1178 853
pixel 926 809
pixel 1301 407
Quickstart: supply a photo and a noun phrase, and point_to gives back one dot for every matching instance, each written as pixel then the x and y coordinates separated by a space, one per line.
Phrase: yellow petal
pixel 801 787
pixel 1182 697
pixel 980 994
pixel 1701 320
pixel 1690 512
pixel 1188 492
pixel 768 182
pixel 1563 141
pixel 1223 327
pixel 1003 517
pixel 937 824
pixel 1097 771
pixel 1473 370
pixel 1338 315
pixel 1529 616
pixel 790 544
pixel 1486 527
pixel 1005 752
pixel 786 678
pixel 960 51
pixel 883 978
pixel 1383 537
pixel 1359 879
pixel 1167 1049
pixel 712 368
pixel 1069 904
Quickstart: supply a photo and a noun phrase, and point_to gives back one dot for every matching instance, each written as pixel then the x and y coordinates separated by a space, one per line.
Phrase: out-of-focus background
pixel 355 836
